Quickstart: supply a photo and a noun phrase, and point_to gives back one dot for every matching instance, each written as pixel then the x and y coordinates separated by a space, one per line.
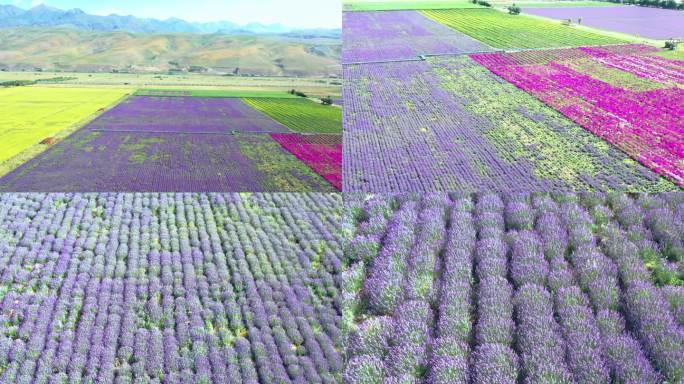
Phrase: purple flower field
pixel 173 162
pixel 521 288
pixel 653 23
pixel 448 124
pixel 185 114
pixel 397 35
pixel 170 288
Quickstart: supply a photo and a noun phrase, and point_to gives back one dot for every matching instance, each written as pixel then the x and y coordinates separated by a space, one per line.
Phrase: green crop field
pixel 28 115
pixel 361 5
pixel 215 93
pixel 317 87
pixel 301 115
pixel 501 30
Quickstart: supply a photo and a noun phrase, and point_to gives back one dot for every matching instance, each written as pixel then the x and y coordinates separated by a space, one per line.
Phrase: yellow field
pixel 30 114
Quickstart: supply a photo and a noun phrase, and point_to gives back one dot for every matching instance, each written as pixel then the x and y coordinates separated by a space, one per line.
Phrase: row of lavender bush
pixel 170 288
pixel 532 288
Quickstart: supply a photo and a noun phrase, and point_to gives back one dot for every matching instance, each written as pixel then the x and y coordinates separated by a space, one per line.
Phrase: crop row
pixel 448 124
pixel 516 288
pixel 172 288
pixel 300 115
pixel 644 121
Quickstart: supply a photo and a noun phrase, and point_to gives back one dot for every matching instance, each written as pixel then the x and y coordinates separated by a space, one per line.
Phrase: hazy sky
pixel 296 13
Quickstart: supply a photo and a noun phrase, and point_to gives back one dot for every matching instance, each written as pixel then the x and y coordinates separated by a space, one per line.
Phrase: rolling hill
pixel 70 49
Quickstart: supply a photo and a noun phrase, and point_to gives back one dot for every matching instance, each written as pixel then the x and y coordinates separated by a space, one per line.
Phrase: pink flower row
pixel 321 153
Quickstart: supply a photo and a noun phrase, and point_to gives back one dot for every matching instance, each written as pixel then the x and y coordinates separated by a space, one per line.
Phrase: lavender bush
pixel 170 288
pixel 511 288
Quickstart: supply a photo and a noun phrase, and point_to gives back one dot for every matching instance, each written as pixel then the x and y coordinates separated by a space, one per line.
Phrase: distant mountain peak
pixel 10 10
pixel 76 11
pixel 45 16
pixel 43 8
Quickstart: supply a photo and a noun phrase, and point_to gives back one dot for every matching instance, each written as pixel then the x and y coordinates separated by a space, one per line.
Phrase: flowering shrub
pixel 170 288
pixel 514 288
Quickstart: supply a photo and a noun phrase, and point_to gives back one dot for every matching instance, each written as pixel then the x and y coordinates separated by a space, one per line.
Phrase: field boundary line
pixel 214 133
pixel 409 9
pixel 383 61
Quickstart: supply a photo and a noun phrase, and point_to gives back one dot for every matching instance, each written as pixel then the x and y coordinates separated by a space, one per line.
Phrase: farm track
pixel 219 133
pixel 421 57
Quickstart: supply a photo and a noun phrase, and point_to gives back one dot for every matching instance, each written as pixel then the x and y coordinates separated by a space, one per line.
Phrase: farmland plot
pixel 501 30
pixel 516 288
pixel 172 288
pixel 300 115
pixel 28 115
pixel 397 35
pixel 624 94
pixel 185 114
pixel 653 23
pixel 448 124
pixel 101 161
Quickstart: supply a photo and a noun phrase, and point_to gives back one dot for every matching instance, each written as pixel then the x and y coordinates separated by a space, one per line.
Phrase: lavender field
pixel 185 115
pixel 652 23
pixel 106 161
pixel 399 35
pixel 170 288
pixel 519 288
pixel 448 124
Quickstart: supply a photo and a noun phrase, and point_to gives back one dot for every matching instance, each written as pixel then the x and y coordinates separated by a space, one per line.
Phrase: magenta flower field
pixel 323 153
pixel 625 95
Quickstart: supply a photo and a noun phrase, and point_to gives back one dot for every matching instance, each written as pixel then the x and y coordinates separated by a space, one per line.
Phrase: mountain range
pixel 45 16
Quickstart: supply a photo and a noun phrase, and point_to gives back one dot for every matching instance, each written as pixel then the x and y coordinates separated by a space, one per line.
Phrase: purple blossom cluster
pixel 543 287
pixel 170 288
